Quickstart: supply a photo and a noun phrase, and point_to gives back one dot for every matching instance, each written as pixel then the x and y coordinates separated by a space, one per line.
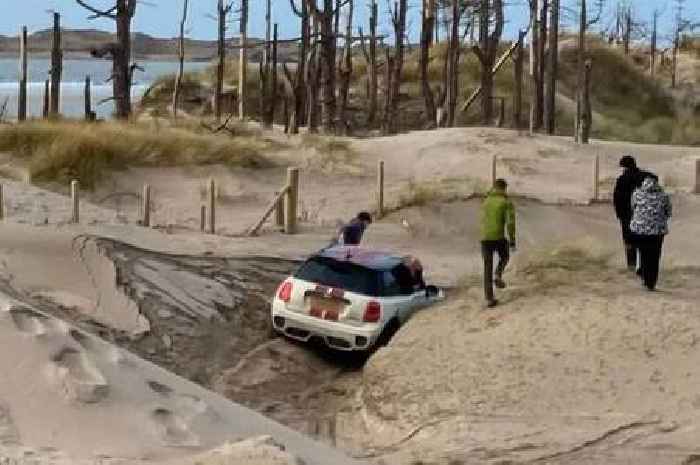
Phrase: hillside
pixel 630 107
pixel 77 43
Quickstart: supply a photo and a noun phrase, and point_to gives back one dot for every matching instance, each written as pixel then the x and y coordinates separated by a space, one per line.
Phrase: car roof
pixel 364 257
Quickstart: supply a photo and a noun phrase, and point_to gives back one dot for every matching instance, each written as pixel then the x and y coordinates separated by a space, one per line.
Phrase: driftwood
pixel 255 229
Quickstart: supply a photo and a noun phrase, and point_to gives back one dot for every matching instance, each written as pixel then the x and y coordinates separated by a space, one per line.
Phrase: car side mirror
pixel 431 291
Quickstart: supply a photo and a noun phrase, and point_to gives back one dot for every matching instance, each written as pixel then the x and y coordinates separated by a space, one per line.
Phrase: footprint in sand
pixel 78 377
pixel 172 429
pixel 113 354
pixel 27 320
pixel 188 405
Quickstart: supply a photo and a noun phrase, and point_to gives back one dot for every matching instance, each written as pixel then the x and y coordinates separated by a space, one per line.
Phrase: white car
pixel 350 297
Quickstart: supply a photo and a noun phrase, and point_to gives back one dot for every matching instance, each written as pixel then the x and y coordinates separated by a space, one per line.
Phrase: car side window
pixel 390 285
pixel 403 278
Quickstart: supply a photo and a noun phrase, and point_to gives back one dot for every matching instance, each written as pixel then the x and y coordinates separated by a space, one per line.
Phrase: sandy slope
pixel 556 369
pixel 72 392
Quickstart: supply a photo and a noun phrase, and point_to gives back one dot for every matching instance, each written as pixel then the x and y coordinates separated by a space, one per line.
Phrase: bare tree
pixel 487 51
pixel 325 20
pixel 181 56
pixel 428 24
pixel 122 13
pixel 346 66
pixel 552 69
pixel 652 53
pixel 583 66
pixel 243 60
pixel 398 19
pixel 371 59
pixel 56 67
pixel 299 82
pixel 223 9
pixel 542 62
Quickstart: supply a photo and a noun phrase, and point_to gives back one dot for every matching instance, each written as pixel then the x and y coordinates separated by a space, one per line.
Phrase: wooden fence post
pixel 291 200
pixel 202 218
pixel 494 172
pixel 88 99
pixel 75 196
pixel 2 203
pixel 279 211
pixel 47 97
pixel 697 176
pixel 596 178
pixel 22 103
pixel 56 67
pixel 146 206
pixel 211 229
pixel 380 189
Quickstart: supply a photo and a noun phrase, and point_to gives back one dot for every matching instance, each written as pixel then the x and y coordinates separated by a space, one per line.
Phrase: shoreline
pixel 168 58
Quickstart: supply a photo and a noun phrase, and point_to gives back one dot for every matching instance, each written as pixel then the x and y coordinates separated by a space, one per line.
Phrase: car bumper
pixel 336 335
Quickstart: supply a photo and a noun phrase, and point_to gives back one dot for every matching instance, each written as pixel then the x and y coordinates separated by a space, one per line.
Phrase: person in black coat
pixel 630 180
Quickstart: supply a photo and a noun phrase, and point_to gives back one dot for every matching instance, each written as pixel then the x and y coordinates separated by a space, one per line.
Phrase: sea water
pixel 73 84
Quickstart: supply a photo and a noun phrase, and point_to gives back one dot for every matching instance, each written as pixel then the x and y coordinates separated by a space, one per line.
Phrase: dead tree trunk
pixel 56 67
pixel 89 116
pixel 388 76
pixel 391 123
pixel 542 61
pixel 22 100
pixel 425 43
pixel 371 59
pixel 266 74
pixel 181 60
pixel 583 23
pixel 628 30
pixel 346 69
pixel 519 64
pixel 47 100
pixel 299 113
pixel 325 20
pixel 243 61
pixel 552 69
pixel 652 54
pixel 452 78
pixel 534 62
pixel 275 39
pixel 222 11
pixel 587 112
pixel 122 71
pixel 313 81
pixel 487 52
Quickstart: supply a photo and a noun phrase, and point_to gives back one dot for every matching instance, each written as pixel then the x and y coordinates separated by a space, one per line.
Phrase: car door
pixel 394 302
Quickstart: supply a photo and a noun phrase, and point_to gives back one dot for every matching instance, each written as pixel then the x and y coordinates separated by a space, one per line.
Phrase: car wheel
pixel 391 328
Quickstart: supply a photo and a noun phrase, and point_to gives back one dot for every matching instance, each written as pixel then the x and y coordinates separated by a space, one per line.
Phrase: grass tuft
pixel 60 151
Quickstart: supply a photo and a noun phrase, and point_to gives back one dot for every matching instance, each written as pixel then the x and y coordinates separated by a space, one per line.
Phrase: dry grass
pixel 563 264
pixel 418 194
pixel 67 150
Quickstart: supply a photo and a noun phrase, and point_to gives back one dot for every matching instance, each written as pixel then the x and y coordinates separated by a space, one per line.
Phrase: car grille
pixel 338 342
pixel 296 332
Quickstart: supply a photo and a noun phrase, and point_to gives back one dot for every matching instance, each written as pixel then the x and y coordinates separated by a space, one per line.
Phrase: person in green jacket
pixel 497 216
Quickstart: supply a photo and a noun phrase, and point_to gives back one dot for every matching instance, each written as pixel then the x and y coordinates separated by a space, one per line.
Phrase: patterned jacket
pixel 651 208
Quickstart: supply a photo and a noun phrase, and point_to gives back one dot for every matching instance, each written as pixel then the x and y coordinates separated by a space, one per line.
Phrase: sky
pixel 160 18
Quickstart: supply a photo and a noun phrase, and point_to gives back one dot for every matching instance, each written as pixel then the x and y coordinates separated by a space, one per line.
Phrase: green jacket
pixel 497 213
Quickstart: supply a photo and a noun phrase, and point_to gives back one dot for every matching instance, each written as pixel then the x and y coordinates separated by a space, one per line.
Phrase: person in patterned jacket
pixel 651 210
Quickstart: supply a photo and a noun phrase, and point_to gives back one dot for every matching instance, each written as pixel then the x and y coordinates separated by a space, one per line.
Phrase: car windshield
pixel 342 275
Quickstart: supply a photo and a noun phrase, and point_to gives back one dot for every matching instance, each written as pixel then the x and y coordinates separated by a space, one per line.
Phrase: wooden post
pixel 211 229
pixel 586 111
pixel 2 203
pixel 75 196
pixel 146 206
pixel 501 112
pixel 47 96
pixel 243 61
pixel 88 99
pixel 291 200
pixel 279 211
pixel 22 103
pixel 56 67
pixel 380 189
pixel 203 218
pixel 494 173
pixel 596 178
pixel 697 176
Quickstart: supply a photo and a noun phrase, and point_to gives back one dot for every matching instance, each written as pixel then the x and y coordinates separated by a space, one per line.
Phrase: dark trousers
pixel 650 254
pixel 629 239
pixel 488 249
